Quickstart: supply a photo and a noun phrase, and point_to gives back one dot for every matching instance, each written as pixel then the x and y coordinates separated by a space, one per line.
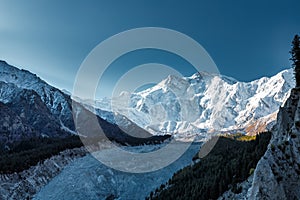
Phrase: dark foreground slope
pixel 231 161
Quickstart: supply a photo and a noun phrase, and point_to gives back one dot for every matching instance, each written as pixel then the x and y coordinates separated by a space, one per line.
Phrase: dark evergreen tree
pixel 295 52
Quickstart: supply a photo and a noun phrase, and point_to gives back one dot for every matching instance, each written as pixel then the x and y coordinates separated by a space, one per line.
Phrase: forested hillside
pixel 231 161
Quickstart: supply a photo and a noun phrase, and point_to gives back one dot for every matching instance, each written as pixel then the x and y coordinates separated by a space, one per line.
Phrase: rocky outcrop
pixel 277 173
pixel 12 126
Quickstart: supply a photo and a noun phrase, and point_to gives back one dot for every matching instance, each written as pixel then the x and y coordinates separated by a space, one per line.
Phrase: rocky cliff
pixel 277 175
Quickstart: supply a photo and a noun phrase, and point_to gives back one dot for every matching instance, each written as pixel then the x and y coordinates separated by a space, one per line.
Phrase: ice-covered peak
pixel 206 76
pixel 204 101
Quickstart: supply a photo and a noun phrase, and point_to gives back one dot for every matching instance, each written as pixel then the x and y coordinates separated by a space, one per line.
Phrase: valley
pixel 241 111
pixel 87 178
pixel 149 100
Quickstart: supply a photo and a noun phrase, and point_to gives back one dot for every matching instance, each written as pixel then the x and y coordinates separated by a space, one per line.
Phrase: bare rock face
pixel 12 126
pixel 277 175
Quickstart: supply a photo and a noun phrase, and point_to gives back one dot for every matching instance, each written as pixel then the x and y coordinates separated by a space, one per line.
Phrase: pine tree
pixel 295 52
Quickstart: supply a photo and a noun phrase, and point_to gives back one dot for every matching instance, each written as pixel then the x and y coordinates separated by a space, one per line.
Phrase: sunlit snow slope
pixel 204 102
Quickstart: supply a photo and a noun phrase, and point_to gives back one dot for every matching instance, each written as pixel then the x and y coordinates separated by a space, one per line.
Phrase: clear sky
pixel 246 39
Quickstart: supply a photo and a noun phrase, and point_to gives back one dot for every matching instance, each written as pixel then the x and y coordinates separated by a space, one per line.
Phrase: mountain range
pixel 202 103
pixel 182 106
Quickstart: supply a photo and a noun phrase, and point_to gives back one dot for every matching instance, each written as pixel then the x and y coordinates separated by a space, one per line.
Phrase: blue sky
pixel 246 39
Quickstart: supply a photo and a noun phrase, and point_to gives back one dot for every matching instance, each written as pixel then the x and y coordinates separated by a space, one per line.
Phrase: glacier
pixel 87 178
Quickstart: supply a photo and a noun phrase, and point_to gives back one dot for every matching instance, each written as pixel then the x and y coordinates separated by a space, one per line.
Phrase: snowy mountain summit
pixel 204 102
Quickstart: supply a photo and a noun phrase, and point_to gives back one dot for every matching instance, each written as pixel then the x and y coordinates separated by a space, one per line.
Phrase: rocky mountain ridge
pixel 33 108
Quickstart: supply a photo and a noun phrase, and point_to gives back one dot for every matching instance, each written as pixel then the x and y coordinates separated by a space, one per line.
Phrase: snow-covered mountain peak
pixel 205 102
